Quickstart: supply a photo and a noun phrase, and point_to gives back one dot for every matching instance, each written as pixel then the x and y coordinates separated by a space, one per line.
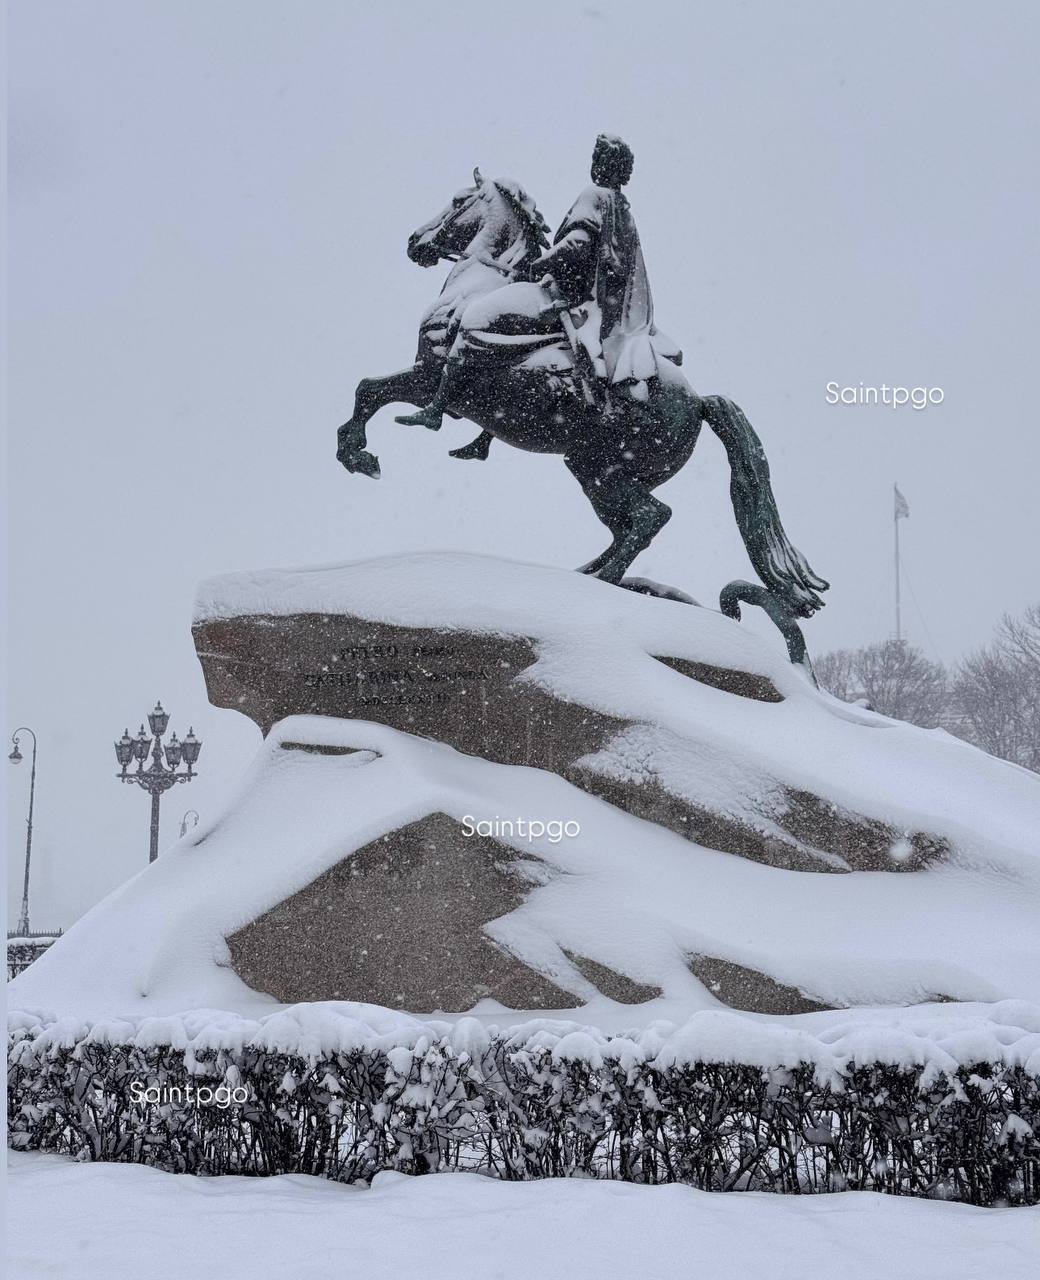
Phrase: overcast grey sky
pixel 209 206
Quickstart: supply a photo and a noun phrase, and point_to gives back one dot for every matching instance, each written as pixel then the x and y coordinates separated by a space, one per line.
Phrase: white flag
pixel 902 506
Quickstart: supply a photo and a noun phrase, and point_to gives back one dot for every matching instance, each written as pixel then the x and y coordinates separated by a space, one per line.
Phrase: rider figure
pixel 595 264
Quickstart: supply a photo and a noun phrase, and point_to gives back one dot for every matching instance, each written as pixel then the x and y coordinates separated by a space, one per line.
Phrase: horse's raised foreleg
pixel 414 385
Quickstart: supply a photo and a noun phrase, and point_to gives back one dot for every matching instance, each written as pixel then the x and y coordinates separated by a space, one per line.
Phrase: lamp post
pixel 157 778
pixel 16 756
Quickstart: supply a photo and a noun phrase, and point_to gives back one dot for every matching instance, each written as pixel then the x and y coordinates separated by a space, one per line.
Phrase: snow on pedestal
pixel 736 837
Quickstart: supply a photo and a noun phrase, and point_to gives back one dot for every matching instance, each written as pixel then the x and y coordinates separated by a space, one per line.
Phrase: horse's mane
pixel 534 231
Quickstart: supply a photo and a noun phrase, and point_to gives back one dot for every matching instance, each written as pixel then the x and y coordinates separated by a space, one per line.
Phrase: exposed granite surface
pixel 399 923
pixel 744 684
pixel 462 688
pixel 744 988
pixel 459 687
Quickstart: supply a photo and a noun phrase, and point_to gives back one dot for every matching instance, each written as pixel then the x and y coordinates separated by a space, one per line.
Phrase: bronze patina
pixel 555 350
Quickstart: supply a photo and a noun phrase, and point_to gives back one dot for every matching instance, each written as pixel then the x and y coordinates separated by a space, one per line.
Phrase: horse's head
pixel 499 208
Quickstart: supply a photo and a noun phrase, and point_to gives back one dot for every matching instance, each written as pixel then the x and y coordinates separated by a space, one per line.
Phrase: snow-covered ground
pixel 123 1222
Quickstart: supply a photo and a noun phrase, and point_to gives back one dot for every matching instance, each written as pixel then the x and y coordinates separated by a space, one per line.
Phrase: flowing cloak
pixel 605 274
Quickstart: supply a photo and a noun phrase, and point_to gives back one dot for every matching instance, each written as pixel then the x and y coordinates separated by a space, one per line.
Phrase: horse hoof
pixel 363 463
pixel 593 567
pixel 612 573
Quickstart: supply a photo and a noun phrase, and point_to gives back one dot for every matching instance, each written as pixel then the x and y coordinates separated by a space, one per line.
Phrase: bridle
pixel 481 256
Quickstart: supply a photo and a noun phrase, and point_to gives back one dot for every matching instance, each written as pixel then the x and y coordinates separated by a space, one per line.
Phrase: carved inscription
pixel 435 683
pixel 475 692
pixel 399 675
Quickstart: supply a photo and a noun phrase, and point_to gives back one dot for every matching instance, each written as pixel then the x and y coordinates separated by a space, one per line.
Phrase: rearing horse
pixel 492 231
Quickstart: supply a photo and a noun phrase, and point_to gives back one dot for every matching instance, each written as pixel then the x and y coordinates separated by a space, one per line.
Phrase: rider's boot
pixel 430 415
pixel 476 449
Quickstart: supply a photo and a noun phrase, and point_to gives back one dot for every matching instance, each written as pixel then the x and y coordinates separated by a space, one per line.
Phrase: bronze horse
pixel 492 232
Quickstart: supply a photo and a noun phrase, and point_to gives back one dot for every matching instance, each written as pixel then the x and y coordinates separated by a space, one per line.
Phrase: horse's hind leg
pixel 412 385
pixel 614 518
pixel 628 509
pixel 647 516
pixel 593 567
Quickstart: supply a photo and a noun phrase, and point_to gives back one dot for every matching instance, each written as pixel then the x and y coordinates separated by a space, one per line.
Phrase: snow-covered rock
pixel 721 814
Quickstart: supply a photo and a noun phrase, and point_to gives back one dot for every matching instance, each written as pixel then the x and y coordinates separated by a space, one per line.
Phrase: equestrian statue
pixel 555 350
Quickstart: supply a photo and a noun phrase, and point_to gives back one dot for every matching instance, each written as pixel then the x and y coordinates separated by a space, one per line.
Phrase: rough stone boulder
pixel 491 787
pixel 516 694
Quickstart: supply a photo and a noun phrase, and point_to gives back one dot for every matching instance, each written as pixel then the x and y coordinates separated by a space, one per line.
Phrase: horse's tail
pixel 777 561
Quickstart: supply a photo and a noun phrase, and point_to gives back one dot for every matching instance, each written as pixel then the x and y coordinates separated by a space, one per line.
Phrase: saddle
pixel 626 364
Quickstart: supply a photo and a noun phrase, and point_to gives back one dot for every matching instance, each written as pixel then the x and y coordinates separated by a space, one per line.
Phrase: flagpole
pixel 895 512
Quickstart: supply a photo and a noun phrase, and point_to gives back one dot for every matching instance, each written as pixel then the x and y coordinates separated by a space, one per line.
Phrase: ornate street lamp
pixel 16 756
pixel 158 777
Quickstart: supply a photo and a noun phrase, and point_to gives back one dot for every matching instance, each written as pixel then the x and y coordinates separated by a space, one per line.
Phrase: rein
pixel 482 257
pixel 487 261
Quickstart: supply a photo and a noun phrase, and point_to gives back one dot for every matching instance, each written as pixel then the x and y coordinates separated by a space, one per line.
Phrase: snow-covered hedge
pixel 343 1097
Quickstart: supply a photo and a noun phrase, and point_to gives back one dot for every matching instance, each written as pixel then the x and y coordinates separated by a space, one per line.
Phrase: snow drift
pixel 630 922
